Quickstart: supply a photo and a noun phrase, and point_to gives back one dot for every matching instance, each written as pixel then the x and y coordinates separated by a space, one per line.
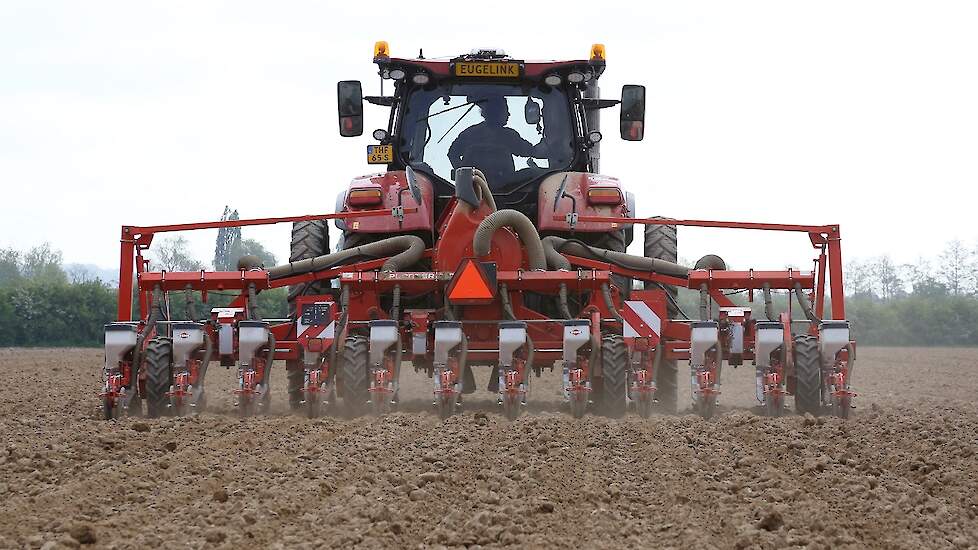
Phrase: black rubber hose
pixel 191 309
pixel 768 302
pixel 627 261
pixel 557 261
pixel 253 303
pixel 704 302
pixel 155 313
pixel 206 361
pixel 609 303
pixel 508 310
pixel 805 304
pixel 268 360
pixel 403 250
pixel 396 305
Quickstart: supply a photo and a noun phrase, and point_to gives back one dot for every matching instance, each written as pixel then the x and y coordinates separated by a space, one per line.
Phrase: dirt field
pixel 902 473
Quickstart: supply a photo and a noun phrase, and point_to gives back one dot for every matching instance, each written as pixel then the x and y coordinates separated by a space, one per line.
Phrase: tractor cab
pixel 516 121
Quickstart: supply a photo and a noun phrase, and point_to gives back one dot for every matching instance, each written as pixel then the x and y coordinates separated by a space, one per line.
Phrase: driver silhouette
pixel 490 145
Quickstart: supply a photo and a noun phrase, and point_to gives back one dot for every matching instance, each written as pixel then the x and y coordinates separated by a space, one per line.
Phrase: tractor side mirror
pixel 349 99
pixel 531 112
pixel 632 112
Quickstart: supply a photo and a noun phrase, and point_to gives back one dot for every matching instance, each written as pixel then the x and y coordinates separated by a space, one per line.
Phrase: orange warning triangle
pixel 470 284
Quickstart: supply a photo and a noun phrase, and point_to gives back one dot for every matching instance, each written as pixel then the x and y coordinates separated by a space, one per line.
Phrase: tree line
pixel 930 302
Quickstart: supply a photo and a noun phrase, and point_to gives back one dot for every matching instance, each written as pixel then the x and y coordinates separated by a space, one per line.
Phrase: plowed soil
pixel 901 473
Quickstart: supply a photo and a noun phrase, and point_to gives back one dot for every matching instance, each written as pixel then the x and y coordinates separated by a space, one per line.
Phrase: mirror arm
pixel 381 100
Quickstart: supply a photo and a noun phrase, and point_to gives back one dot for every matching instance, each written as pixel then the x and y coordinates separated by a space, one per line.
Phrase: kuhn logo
pixel 575 332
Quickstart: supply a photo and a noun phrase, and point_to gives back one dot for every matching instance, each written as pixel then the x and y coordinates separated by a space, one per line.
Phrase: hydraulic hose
pixel 403 250
pixel 253 303
pixel 208 354
pixel 557 261
pixel 396 305
pixel 508 310
pixel 704 302
pixel 805 304
pixel 268 360
pixel 609 303
pixel 768 302
pixel 155 313
pixel 627 261
pixel 524 229
pixel 191 309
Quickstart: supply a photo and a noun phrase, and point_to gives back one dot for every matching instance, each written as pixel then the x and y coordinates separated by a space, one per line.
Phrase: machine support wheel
pixel 614 369
pixel 808 375
pixel 354 374
pixel 661 242
pixel 156 362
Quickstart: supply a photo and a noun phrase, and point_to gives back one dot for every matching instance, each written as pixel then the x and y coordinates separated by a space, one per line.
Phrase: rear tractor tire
pixel 354 380
pixel 310 239
pixel 662 242
pixel 614 372
pixel 808 375
pixel 157 362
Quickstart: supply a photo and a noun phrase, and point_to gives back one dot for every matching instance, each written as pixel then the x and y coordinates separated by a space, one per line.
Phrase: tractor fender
pixel 577 185
pixel 394 190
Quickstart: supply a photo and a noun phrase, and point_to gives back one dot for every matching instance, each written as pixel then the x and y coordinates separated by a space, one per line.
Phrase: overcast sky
pixel 858 113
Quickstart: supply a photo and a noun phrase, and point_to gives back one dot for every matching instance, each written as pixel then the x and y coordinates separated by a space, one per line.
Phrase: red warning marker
pixel 471 284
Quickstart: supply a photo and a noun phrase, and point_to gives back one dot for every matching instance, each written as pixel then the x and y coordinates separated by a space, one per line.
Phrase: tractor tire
pixel 661 242
pixel 309 240
pixel 614 372
pixel 354 379
pixel 808 375
pixel 157 359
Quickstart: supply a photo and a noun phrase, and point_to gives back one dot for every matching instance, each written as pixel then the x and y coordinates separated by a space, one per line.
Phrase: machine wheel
pixel 661 241
pixel 156 362
pixel 614 369
pixel 353 374
pixel 309 240
pixel 808 375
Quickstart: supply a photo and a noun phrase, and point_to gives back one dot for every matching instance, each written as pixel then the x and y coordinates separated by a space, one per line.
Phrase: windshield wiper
pixel 456 122
pixel 476 102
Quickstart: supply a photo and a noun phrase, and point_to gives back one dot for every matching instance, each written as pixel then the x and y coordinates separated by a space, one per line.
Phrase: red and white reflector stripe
pixel 640 321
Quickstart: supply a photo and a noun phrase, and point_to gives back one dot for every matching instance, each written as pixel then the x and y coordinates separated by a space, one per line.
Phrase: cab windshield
pixel 512 133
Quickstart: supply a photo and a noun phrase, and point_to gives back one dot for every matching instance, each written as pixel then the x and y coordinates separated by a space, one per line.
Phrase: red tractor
pixel 490 240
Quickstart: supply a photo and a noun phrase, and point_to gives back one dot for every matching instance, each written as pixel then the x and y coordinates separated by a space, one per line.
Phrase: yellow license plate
pixel 380 154
pixel 487 70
